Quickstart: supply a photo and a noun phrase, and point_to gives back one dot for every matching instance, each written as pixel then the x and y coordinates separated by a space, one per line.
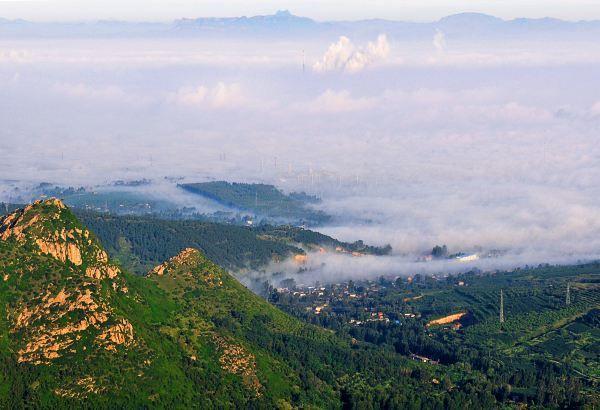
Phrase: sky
pixel 412 10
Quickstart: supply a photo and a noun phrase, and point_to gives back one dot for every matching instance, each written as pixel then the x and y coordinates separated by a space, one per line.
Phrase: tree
pixel 439 251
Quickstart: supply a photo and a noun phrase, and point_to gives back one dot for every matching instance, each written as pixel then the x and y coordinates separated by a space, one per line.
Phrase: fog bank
pixel 488 143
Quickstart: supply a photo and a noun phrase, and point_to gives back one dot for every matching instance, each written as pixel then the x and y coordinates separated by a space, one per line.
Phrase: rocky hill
pixel 57 288
pixel 74 326
pixel 78 331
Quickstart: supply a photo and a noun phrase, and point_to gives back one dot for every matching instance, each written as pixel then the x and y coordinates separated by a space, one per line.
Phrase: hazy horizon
pixel 330 10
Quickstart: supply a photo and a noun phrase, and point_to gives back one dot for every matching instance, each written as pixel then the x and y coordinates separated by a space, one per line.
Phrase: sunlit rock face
pixel 64 285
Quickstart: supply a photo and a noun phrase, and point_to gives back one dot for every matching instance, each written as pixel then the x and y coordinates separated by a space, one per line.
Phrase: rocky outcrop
pixel 186 258
pixel 80 388
pixel 13 225
pixel 63 251
pixel 16 224
pixel 447 319
pixel 102 272
pixel 235 359
pixel 120 333
pixel 49 325
pixel 190 263
pixel 50 322
pixel 65 241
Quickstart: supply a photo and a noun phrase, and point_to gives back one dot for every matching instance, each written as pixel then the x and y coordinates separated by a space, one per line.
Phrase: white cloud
pixel 189 95
pixel 86 91
pixel 220 96
pixel 340 101
pixel 345 56
pixel 15 56
pixel 439 40
pixel 227 95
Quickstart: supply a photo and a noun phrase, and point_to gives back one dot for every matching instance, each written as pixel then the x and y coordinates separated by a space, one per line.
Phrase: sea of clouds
pixel 468 143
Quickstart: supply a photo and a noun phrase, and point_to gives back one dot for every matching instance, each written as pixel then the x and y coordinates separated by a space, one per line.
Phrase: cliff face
pixel 61 285
pixel 54 231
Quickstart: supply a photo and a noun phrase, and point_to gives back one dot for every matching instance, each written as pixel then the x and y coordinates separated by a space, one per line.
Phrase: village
pixel 358 302
pixel 386 301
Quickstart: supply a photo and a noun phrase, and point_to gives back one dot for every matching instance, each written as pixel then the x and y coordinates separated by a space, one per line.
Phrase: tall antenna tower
pixel 568 297
pixel 303 62
pixel 501 306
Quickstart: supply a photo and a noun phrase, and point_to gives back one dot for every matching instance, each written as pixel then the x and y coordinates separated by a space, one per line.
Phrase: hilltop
pixel 57 293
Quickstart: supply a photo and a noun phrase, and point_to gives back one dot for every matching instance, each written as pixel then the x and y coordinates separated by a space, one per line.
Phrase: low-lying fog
pixel 483 144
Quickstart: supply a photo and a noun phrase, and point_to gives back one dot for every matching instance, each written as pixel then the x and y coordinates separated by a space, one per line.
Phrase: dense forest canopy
pixel 142 242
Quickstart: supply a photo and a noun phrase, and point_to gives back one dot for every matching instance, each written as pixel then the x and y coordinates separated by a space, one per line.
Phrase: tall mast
pixel 501 306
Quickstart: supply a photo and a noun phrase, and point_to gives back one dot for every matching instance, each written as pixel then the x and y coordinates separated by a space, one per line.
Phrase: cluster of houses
pixel 333 297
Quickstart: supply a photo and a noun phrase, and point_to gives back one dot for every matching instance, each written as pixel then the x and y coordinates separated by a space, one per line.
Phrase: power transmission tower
pixel 501 306
pixel 568 298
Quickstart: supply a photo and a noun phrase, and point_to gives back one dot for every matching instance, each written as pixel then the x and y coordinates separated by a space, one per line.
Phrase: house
pixel 423 359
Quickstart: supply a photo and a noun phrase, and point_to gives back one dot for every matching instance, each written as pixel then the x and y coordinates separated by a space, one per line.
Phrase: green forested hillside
pixel 313 239
pixel 545 353
pixel 142 242
pixel 77 331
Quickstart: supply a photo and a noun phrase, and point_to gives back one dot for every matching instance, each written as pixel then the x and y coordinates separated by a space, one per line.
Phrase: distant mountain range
pixel 288 24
